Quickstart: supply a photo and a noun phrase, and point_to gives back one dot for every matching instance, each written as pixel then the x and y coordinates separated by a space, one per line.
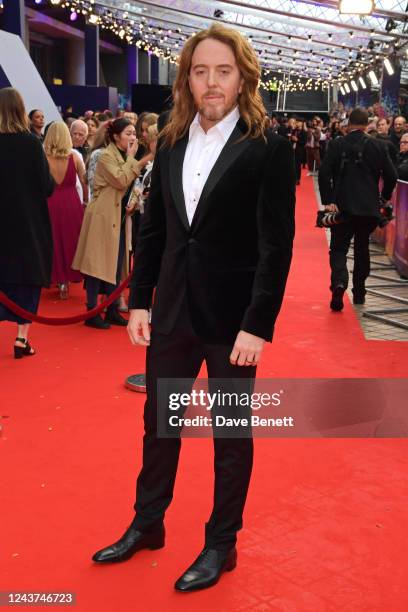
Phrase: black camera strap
pixel 357 160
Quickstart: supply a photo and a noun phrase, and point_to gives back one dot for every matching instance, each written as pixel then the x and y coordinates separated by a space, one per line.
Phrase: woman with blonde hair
pixel 25 228
pixel 101 141
pixel 66 210
pixel 148 120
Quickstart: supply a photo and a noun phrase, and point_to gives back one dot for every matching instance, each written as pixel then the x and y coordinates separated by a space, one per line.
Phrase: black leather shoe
pixel 131 541
pixel 207 569
pixel 97 322
pixel 114 317
pixel 336 303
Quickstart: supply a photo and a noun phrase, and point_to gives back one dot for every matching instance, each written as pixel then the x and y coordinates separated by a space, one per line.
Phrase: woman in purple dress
pixel 66 210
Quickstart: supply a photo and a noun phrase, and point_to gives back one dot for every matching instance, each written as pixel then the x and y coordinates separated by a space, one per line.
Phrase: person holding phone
pixel 100 254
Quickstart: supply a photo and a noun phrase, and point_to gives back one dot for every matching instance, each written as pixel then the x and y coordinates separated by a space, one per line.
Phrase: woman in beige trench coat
pixel 103 243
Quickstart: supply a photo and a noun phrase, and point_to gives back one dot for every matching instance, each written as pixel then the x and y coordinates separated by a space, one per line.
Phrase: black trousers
pixel 341 235
pixel 93 284
pixel 298 167
pixel 180 355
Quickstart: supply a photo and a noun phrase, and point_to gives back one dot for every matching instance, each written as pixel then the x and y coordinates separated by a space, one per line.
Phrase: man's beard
pixel 212 113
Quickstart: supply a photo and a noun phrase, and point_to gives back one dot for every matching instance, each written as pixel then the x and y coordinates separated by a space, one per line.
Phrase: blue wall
pixel 84 98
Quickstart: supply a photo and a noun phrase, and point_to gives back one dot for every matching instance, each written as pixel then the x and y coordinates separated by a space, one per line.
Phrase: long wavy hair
pixel 251 107
pixel 13 116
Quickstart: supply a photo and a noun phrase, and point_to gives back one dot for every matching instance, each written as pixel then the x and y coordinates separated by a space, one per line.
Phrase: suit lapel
pixel 231 151
pixel 177 154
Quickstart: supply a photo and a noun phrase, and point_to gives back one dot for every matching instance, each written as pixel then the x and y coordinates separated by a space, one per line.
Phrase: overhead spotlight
pixel 347 88
pixel 390 25
pixel 362 82
pixel 354 85
pixel 373 77
pixel 93 19
pixel 356 7
pixel 388 66
pixel 218 13
pixel 55 2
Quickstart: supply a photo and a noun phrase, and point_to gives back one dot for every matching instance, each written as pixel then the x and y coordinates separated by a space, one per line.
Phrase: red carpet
pixel 326 521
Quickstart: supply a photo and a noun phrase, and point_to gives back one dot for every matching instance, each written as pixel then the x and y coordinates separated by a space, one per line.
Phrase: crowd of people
pixel 311 137
pixel 100 167
pixel 89 179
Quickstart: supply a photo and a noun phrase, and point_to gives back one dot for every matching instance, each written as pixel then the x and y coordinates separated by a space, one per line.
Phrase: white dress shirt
pixel 202 152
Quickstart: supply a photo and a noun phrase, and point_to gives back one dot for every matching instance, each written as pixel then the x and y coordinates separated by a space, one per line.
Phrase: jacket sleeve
pixel 119 176
pixel 149 246
pixel 327 172
pixel 276 228
pixel 389 175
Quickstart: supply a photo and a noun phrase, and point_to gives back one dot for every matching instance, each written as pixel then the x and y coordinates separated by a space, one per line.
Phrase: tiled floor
pixel 374 329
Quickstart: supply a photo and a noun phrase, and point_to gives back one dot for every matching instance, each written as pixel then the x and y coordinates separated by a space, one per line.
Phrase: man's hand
pixel 138 327
pixel 247 349
pixel 331 208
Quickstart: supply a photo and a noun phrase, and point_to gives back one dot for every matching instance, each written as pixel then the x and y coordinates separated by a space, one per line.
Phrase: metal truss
pixel 311 30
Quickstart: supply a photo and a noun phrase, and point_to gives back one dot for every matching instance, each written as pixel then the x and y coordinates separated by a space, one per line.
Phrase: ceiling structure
pixel 304 38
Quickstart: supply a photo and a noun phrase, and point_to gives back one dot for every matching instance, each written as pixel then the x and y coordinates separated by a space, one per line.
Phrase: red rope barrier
pixel 17 310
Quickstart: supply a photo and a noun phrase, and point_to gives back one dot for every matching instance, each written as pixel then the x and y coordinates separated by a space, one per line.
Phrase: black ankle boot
pixel 336 303
pixel 97 322
pixel 114 317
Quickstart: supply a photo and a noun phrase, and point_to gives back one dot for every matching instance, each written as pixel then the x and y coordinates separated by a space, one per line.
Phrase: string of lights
pixel 323 69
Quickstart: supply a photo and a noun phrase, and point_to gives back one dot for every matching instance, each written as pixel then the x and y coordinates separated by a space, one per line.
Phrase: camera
pixel 386 213
pixel 328 219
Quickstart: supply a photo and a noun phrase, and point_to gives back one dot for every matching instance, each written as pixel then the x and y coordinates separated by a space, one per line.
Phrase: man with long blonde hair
pixel 216 243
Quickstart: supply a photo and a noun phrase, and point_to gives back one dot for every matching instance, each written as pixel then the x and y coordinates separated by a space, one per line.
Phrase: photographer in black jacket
pixel 348 183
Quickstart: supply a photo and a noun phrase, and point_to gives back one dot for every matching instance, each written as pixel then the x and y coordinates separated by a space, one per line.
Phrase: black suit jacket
pixel 355 189
pixel 391 148
pixel 402 166
pixel 233 262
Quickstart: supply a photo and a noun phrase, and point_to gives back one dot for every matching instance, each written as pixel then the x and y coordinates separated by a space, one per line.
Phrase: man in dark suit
pixel 349 183
pixel 216 242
